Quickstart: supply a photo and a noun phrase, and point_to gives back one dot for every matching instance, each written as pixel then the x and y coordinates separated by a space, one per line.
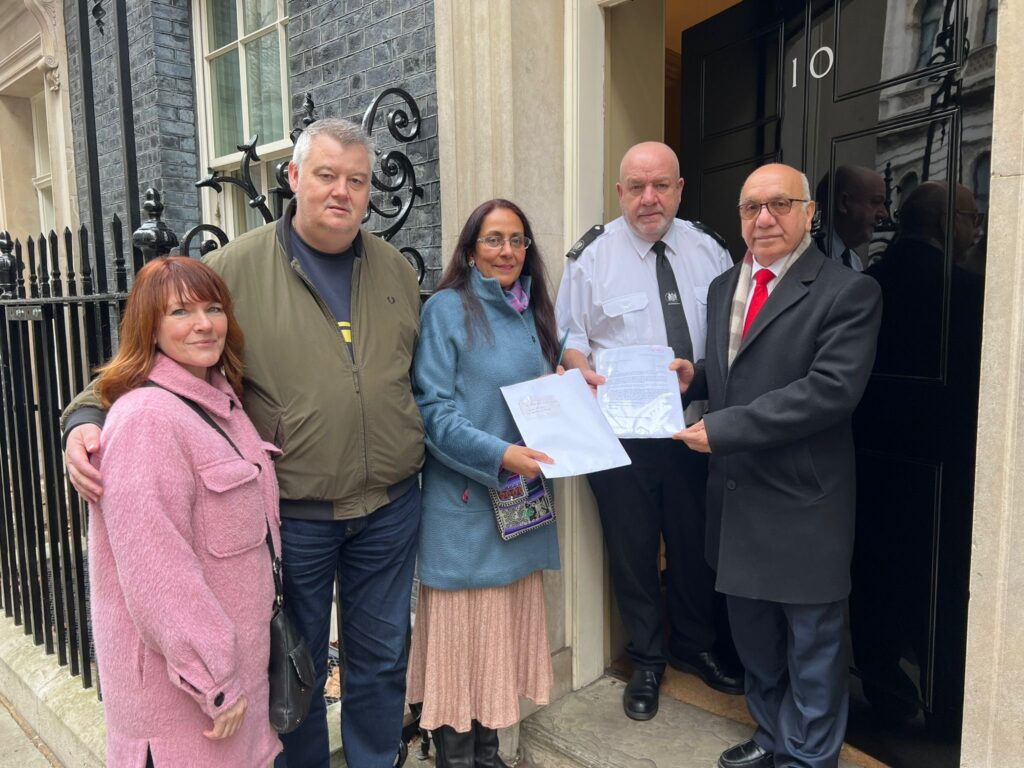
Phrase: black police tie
pixel 847 261
pixel 676 329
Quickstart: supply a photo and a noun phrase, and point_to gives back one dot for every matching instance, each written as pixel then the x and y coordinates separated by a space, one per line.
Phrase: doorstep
pixel 588 729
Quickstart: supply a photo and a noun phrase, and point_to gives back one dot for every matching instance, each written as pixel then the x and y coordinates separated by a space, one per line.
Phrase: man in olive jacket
pixel 331 318
pixel 790 346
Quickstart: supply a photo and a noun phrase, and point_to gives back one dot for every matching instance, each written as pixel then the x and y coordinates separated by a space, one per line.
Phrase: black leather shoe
pixel 640 699
pixel 746 755
pixel 709 668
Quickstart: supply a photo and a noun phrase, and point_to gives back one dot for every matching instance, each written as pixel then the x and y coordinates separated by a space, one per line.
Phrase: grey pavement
pixel 17 748
pixel 587 729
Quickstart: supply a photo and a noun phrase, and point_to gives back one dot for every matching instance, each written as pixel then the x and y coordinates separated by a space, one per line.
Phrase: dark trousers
pixel 373 559
pixel 660 495
pixel 796 681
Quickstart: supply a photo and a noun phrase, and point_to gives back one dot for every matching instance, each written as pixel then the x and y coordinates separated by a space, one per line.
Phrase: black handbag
pixel 291 671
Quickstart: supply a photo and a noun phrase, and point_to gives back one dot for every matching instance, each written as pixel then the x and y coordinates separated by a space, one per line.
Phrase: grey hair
pixel 806 187
pixel 345 132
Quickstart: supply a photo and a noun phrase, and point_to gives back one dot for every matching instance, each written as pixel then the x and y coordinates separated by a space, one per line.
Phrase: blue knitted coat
pixel 468 428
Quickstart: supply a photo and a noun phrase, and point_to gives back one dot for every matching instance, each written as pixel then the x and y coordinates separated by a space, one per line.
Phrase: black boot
pixel 454 749
pixel 487 747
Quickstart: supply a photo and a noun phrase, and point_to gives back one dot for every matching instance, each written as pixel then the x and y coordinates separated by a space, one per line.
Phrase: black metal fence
pixel 54 330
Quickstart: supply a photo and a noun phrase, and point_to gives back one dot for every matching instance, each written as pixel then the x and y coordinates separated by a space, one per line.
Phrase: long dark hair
pixel 456 276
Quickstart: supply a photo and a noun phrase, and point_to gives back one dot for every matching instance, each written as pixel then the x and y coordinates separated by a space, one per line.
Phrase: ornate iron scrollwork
pixel 214 180
pixel 6 266
pixel 98 13
pixel 395 179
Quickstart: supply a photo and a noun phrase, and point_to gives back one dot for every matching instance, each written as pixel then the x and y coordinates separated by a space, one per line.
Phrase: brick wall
pixel 162 84
pixel 345 53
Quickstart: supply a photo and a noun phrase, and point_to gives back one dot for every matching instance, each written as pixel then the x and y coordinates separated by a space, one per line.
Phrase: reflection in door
pixel 887 106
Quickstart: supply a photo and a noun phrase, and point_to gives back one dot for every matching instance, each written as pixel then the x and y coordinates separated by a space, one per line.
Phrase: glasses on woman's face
pixel 495 243
pixel 779 207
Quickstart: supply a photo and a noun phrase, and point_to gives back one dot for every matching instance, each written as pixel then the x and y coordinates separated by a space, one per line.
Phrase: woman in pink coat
pixel 180 572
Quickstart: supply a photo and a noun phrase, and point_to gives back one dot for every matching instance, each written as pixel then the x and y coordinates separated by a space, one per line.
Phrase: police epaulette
pixel 588 237
pixel 711 233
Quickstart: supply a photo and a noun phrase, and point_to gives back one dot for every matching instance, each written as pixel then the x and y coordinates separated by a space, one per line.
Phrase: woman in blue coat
pixel 480 639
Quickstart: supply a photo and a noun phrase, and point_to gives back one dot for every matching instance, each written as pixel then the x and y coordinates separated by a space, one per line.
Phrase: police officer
pixel 643 279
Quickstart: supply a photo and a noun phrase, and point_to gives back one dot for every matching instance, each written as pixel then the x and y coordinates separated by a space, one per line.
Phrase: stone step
pixel 588 729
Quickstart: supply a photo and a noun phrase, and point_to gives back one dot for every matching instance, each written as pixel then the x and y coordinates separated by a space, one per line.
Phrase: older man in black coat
pixel 791 340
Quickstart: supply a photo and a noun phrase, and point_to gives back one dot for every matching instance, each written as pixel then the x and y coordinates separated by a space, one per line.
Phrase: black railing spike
pixel 44 261
pixel 69 254
pixel 83 255
pixel 154 238
pixel 19 270
pixel 33 277
pixel 55 287
pixel 117 238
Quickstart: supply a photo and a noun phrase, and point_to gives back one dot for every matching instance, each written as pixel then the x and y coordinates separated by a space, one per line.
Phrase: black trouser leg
pixel 689 580
pixel 638 504
pixel 486 749
pixel 453 749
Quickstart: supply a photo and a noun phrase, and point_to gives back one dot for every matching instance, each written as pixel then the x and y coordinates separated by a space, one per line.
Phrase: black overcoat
pixel 782 479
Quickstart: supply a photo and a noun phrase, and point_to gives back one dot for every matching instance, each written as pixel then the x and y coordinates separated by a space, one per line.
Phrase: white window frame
pixel 43 178
pixel 221 209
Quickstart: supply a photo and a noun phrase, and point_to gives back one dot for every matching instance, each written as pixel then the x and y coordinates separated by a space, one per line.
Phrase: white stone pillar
pixel 520 87
pixel 994 692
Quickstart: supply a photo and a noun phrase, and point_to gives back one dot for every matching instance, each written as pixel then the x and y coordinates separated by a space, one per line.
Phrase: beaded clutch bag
pixel 520 506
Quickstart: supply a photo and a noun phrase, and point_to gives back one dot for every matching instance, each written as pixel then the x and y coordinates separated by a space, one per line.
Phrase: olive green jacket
pixel 349 428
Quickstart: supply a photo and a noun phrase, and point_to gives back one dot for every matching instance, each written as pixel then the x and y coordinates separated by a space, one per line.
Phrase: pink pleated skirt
pixel 476 651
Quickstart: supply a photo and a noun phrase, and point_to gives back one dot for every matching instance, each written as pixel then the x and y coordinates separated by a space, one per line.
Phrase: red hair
pixel 191 280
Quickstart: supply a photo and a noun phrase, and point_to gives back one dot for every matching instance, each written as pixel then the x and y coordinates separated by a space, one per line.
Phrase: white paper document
pixel 558 415
pixel 640 397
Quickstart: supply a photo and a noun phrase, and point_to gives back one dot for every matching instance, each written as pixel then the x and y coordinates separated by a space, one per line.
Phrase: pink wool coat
pixel 180 576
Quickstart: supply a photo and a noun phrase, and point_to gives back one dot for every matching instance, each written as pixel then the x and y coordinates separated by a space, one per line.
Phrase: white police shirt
pixel 609 295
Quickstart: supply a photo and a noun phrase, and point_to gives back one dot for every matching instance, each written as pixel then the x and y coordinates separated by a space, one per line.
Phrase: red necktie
pixel 763 277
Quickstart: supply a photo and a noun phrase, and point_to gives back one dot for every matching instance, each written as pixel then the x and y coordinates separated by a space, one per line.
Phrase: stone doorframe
pixel 994 690
pixel 520 115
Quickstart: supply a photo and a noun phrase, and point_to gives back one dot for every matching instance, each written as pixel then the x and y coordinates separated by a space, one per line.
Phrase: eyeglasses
pixel 495 243
pixel 779 207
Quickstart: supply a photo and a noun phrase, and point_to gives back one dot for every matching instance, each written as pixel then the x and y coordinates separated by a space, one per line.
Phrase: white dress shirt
pixel 776 268
pixel 609 295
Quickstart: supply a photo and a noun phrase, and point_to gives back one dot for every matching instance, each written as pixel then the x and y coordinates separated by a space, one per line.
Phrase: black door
pixel 887 106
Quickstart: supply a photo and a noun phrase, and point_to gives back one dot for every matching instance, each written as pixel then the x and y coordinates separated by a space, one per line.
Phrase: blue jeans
pixel 373 559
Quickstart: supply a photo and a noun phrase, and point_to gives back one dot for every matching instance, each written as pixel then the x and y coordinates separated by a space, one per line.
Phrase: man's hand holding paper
pixel 640 395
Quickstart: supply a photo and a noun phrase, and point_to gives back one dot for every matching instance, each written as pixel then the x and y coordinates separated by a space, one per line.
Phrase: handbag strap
pixel 275 561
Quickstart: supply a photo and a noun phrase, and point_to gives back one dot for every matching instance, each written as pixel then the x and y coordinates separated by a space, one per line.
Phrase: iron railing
pixel 54 330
